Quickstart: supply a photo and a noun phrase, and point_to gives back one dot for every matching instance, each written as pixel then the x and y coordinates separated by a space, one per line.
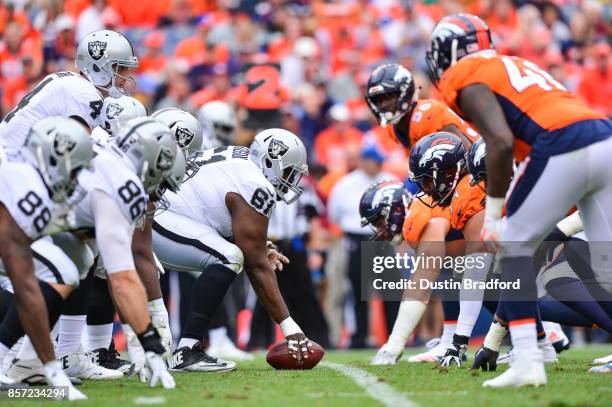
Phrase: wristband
pixel 571 224
pixel 289 327
pixel 494 207
pixel 151 341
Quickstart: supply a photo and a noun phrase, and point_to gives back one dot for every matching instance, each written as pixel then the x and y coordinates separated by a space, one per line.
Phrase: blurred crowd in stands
pixel 312 60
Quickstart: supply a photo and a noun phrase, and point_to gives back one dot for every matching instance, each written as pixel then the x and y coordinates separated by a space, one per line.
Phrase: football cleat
pixel 603 361
pixel 194 359
pixel 227 350
pixel 549 353
pixel 385 356
pixel 79 364
pixel 109 359
pixel 6 383
pixel 436 350
pixel 526 370
pixel 607 368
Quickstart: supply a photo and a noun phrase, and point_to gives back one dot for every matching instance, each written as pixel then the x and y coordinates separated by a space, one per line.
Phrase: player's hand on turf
pixel 485 359
pixel 453 356
pixel 299 346
pixel 137 355
pixel 276 259
pixel 157 370
pixel 161 322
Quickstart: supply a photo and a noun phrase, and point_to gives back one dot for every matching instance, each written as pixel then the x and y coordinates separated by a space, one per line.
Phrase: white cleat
pixel 549 354
pixel 603 361
pixel 79 364
pixel 606 369
pixel 436 351
pixel 228 351
pixel 525 370
pixel 385 356
pixel 26 371
pixel 556 336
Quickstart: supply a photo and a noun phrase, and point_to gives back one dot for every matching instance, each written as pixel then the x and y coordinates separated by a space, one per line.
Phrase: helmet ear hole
pixel 268 163
pixel 52 161
pixel 95 68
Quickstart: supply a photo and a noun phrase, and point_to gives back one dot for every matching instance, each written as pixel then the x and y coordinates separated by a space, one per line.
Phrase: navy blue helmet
pixel 475 159
pixel 437 163
pixel 453 38
pixel 390 93
pixel 383 207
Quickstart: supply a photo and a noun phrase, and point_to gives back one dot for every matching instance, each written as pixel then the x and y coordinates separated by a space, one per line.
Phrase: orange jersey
pixel 417 218
pixel 429 116
pixel 541 113
pixel 467 201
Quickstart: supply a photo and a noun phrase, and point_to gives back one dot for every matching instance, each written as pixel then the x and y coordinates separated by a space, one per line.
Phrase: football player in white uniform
pixel 116 112
pixel 103 58
pixel 222 118
pixel 218 223
pixel 55 152
pixel 116 194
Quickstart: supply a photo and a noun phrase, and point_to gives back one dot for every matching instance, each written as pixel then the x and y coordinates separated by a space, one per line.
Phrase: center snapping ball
pixel 279 358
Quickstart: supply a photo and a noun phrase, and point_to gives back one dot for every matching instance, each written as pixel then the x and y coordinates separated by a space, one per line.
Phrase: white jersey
pixel 24 194
pixel 222 170
pixel 110 174
pixel 101 137
pixel 62 94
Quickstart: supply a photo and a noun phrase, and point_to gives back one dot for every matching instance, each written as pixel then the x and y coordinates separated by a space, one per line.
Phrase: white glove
pixel 56 377
pixel 160 321
pixel 137 354
pixel 159 266
pixel 385 356
pixel 493 223
pixel 158 371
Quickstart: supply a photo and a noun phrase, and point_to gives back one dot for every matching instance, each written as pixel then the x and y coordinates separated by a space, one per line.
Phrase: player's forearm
pixel 499 169
pixel 29 300
pixel 130 297
pixel 264 283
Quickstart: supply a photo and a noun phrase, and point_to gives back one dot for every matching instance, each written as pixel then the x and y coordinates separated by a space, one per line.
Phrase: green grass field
pixel 257 384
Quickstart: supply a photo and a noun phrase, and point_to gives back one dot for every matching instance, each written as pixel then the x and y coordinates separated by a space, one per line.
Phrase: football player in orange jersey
pixel 517 106
pixel 392 98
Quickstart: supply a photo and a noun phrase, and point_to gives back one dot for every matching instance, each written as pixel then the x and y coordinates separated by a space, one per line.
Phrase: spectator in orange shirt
pixel 332 143
pixel 153 61
pixel 219 88
pixel 16 89
pixel 596 84
pixel 178 89
pixel 13 49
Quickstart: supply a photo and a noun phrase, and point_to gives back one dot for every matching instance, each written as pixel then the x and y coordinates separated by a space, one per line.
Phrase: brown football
pixel 278 357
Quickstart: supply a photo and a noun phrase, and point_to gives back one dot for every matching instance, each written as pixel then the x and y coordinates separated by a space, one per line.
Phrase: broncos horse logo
pixel 435 152
pixel 480 154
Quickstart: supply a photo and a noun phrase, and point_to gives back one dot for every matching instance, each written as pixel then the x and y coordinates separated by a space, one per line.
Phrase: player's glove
pixel 299 347
pixel 485 359
pixel 160 321
pixel 157 370
pixel 137 355
pixel 455 352
pixel 56 377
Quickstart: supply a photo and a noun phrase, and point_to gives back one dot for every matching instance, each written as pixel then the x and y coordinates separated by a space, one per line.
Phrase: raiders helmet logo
pixel 96 49
pixel 277 148
pixel 165 159
pixel 113 110
pixel 184 136
pixel 63 144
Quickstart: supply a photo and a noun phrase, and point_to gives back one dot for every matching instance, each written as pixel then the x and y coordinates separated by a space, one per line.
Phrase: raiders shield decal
pixel 277 148
pixel 96 49
pixel 63 144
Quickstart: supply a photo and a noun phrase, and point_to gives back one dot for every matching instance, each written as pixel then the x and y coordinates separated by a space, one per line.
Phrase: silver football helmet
pixel 100 55
pixel 59 147
pixel 281 155
pixel 187 131
pixel 172 181
pixel 150 147
pixel 223 120
pixel 118 111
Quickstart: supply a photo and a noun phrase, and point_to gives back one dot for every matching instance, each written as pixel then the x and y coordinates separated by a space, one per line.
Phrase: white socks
pixel 470 299
pixel 26 351
pixel 448 330
pixel 524 337
pixel 70 334
pixel 189 342
pixel 495 336
pixel 217 336
pixel 99 336
pixel 408 317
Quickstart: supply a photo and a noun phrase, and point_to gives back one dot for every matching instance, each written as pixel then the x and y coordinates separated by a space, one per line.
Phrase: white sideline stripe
pixel 380 391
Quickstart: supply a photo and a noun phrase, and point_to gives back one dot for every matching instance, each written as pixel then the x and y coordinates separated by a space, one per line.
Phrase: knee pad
pixel 80 254
pixel 235 257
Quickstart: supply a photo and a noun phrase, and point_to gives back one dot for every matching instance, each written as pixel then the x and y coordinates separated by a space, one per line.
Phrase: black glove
pixel 485 359
pixel 454 354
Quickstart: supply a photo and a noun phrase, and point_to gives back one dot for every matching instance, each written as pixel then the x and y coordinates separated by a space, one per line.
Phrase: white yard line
pixel 378 390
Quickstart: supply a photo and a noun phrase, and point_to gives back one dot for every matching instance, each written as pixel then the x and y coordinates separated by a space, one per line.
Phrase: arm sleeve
pixel 113 233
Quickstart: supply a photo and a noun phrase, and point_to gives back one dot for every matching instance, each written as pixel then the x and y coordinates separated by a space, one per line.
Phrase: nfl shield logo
pixel 96 49
pixel 277 148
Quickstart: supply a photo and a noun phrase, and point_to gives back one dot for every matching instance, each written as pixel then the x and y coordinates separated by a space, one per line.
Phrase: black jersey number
pixel 29 204
pixel 96 108
pixel 131 194
pixel 262 201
